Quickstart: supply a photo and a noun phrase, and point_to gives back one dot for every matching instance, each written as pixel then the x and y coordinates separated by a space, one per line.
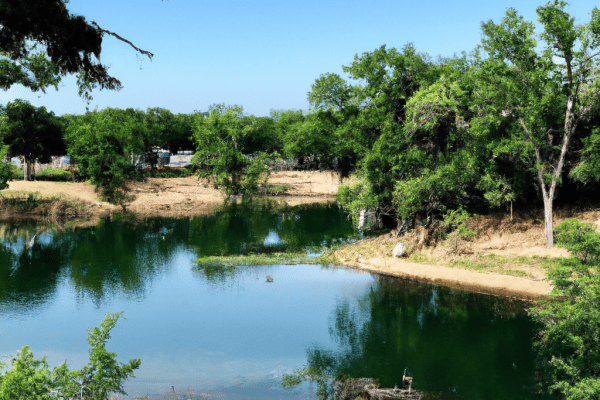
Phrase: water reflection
pixel 456 344
pixel 189 330
pixel 122 256
pixel 268 226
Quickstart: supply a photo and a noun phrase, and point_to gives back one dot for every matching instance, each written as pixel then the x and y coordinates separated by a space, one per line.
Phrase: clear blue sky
pixel 260 54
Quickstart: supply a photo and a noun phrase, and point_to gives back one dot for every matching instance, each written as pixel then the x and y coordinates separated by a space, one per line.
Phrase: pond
pixel 226 332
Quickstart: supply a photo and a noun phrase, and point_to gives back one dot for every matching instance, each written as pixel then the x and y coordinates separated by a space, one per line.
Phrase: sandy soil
pixel 179 197
pixel 360 255
pixel 521 241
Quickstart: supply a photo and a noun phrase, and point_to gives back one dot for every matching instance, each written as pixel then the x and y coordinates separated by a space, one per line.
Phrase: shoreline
pixel 505 259
pixel 507 286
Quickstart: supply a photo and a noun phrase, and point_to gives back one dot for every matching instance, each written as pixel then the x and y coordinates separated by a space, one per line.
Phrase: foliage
pixel 102 376
pixel 102 144
pixel 531 102
pixel 454 221
pixel 53 173
pixel 17 173
pixel 568 343
pixel 6 168
pixel 27 379
pixel 170 173
pixel 68 42
pixel 355 197
pixel 312 374
pixel 580 238
pixel 221 154
pixel 31 132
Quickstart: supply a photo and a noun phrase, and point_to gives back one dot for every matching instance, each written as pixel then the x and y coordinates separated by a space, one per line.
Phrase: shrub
pixel 568 343
pixel 103 375
pixel 55 174
pixel 580 238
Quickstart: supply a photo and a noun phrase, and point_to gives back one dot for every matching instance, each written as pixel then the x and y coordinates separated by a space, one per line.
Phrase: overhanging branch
pixel 150 55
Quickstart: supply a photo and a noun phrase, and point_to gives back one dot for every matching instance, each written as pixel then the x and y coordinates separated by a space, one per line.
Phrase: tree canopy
pixel 67 43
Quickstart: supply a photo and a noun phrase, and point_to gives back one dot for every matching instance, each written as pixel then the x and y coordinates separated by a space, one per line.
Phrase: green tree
pixel 28 378
pixel 540 97
pixel 33 133
pixel 68 43
pixel 568 343
pixel 180 136
pixel 101 377
pixel 220 139
pixel 6 171
pixel 103 145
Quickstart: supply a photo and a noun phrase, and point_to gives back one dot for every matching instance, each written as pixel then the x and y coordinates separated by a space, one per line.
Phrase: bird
pixel 269 279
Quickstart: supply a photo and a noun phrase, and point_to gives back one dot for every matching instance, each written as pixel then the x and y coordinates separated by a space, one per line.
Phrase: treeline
pixel 110 146
pixel 506 124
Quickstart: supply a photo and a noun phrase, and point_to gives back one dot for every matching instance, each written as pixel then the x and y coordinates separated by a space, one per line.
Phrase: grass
pixel 252 259
pixel 170 173
pixel 26 200
pixel 504 265
pixel 273 190
pixel 51 173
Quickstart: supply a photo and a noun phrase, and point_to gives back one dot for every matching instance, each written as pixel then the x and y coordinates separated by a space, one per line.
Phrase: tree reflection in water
pixel 122 255
pixel 456 344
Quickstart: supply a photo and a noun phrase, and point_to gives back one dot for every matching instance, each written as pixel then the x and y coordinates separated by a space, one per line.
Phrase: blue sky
pixel 260 54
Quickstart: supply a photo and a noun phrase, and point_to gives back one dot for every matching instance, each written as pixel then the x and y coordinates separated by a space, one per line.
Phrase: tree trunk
pixel 27 170
pixel 548 221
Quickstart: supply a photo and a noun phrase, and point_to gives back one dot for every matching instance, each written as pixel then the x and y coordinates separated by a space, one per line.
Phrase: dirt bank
pixel 507 257
pixel 168 197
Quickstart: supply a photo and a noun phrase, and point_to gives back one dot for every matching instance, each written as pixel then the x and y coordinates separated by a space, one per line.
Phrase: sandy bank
pixel 168 197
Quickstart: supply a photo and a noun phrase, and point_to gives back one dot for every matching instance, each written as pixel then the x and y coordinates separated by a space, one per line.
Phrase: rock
pixel 269 279
pixel 398 250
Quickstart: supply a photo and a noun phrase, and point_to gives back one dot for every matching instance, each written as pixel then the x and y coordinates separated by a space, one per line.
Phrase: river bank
pixel 507 257
pixel 155 197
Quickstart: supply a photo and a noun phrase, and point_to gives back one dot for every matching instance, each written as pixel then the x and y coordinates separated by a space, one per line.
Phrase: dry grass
pixel 502 245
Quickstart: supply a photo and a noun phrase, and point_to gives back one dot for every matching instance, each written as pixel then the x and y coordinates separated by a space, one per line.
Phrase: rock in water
pixel 398 250
pixel 269 279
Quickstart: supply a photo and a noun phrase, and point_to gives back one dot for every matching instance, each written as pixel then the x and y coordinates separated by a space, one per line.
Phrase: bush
pixel 568 343
pixel 580 238
pixel 53 174
pixel 103 375
pixel 170 173
pixel 17 173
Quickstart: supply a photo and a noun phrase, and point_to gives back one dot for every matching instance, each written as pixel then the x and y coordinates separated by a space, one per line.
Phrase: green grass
pixel 173 173
pixel 252 259
pixel 25 200
pixel 502 264
pixel 273 190
pixel 53 174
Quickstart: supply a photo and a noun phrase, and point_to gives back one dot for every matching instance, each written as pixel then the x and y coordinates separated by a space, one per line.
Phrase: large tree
pixel 32 132
pixel 530 103
pixel 102 143
pixel 68 43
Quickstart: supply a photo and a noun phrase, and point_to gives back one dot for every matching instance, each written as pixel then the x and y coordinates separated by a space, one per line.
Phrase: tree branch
pixel 150 55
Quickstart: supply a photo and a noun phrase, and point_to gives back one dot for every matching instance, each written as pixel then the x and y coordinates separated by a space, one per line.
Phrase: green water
pixel 230 333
